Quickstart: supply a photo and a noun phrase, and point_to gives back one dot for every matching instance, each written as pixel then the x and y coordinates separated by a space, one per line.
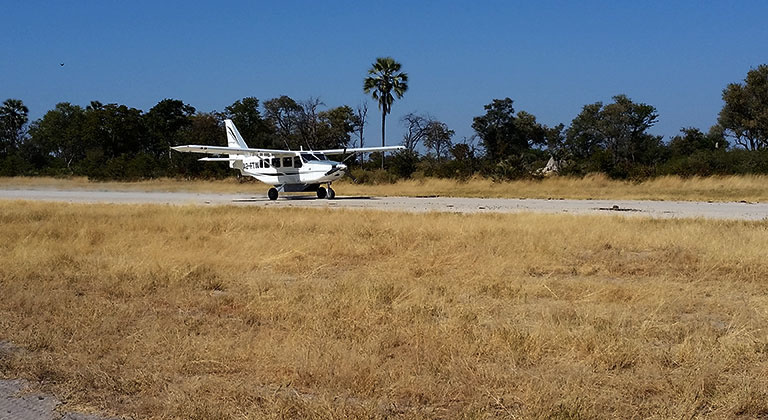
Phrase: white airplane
pixel 286 170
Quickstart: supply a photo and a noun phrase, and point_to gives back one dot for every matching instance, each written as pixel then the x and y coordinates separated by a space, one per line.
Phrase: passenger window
pixel 287 162
pixel 296 162
pixel 276 162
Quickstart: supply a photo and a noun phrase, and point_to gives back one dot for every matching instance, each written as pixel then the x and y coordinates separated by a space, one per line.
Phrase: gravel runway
pixel 657 209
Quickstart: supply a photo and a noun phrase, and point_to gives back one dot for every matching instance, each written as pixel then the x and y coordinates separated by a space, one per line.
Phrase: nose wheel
pixel 329 193
pixel 272 194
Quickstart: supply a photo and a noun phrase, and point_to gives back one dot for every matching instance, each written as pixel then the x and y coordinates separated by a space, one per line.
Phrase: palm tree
pixel 384 77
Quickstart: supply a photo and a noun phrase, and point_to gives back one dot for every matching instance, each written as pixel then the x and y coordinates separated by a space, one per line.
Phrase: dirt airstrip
pixel 656 209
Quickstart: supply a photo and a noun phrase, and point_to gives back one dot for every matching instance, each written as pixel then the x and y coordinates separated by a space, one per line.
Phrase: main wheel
pixel 272 193
pixel 321 193
pixel 331 193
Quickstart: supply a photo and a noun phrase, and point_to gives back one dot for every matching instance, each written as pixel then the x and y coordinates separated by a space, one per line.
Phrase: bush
pixel 403 164
pixel 705 163
pixel 374 177
pixel 14 165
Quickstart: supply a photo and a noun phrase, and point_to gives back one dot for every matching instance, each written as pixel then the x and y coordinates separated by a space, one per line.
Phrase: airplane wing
pixel 220 159
pixel 359 150
pixel 220 150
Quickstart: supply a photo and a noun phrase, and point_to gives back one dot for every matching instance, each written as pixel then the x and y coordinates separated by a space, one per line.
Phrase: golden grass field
pixel 180 312
pixel 721 188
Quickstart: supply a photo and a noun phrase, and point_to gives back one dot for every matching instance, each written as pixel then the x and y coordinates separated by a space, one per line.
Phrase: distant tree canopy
pixel 301 124
pixel 505 134
pixel 13 119
pixel 257 131
pixel 744 116
pixel 60 136
pixel 165 123
pixel 111 141
pixel 335 127
pixel 114 141
pixel 692 140
pixel 613 138
pixel 437 138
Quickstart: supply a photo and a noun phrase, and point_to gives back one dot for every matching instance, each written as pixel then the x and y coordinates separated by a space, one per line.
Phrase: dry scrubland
pixel 721 188
pixel 192 312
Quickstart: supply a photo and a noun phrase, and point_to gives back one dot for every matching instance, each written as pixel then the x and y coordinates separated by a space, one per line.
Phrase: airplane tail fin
pixel 234 139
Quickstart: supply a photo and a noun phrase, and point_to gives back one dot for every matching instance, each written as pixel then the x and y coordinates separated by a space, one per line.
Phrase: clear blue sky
pixel 550 57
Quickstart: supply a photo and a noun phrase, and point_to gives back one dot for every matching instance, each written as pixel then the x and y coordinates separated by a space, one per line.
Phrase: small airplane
pixel 285 170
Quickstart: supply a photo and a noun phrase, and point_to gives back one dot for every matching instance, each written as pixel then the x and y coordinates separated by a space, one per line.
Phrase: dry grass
pixel 192 312
pixel 721 188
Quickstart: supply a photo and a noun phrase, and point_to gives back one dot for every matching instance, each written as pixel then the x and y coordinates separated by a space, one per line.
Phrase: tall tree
pixel 303 124
pixel 114 130
pixel 437 137
pixel 624 125
pixel 415 130
pixel 283 114
pixel 385 78
pixel 256 131
pixel 744 116
pixel 60 133
pixel 204 128
pixel 13 120
pixel 504 134
pixel 584 138
pixel 361 119
pixel 335 126
pixel 164 122
pixel 308 122
pixel 111 136
pixel 619 129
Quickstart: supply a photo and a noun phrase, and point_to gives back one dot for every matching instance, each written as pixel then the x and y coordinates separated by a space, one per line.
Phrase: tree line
pixel 113 141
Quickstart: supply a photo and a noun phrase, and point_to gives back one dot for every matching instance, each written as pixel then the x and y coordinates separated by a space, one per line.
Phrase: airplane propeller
pixel 349 171
pixel 352 177
pixel 345 159
pixel 334 169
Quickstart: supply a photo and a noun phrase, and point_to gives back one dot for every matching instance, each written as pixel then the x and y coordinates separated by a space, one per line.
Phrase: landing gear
pixel 329 193
pixel 272 194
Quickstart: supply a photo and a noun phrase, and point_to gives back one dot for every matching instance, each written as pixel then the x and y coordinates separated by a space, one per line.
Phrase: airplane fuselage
pixel 304 168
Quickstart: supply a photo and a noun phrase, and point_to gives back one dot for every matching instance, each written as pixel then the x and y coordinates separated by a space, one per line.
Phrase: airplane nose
pixel 341 167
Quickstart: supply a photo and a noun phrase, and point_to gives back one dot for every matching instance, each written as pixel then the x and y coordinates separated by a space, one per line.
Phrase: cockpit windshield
pixel 308 157
pixel 313 156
